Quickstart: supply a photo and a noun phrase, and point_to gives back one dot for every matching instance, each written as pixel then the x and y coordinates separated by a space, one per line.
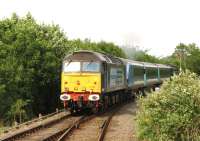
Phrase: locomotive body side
pixel 116 79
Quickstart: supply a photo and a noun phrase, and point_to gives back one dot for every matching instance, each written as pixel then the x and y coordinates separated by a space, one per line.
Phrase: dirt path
pixel 122 126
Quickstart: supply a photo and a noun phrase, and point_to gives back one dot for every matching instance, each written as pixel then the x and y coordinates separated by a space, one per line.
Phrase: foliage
pixel 102 47
pixel 145 57
pixel 31 56
pixel 190 57
pixel 18 111
pixel 30 61
pixel 171 114
pixel 186 57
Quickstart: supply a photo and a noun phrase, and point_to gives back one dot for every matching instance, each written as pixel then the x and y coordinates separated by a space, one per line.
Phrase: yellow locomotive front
pixel 80 82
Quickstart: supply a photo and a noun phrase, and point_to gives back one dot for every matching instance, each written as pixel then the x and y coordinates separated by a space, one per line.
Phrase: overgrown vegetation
pixel 31 55
pixel 171 114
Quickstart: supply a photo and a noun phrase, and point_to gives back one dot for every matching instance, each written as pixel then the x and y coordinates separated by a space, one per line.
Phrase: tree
pixel 102 47
pixel 31 56
pixel 185 57
pixel 17 110
pixel 111 49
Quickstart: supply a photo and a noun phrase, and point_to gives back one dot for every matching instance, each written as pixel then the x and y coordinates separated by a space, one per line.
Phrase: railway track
pixel 62 129
pixel 89 128
pixel 67 127
pixel 49 130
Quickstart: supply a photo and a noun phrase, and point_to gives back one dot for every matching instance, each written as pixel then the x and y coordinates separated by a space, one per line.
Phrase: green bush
pixel 173 113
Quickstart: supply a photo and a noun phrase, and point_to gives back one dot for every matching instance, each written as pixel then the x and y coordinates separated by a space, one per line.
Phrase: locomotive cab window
pixel 91 66
pixel 81 66
pixel 71 66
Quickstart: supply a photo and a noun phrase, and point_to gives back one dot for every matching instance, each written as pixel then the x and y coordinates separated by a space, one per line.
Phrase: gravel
pixel 122 126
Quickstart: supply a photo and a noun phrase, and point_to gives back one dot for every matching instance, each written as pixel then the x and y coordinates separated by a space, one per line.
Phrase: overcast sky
pixel 157 25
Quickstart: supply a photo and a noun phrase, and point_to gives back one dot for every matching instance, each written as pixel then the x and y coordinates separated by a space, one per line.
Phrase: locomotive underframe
pixel 106 100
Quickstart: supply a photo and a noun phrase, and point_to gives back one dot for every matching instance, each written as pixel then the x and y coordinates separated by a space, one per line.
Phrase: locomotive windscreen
pixel 81 66
pixel 72 66
pixel 91 66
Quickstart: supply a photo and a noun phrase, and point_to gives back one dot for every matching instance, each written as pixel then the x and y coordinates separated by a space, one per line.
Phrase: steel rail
pixel 33 129
pixel 84 119
pixel 105 126
pixel 74 126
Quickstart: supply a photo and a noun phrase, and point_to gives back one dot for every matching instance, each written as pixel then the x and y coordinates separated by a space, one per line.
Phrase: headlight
pixel 94 97
pixel 65 97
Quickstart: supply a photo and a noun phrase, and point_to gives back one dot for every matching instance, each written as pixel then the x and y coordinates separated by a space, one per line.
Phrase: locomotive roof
pixel 94 56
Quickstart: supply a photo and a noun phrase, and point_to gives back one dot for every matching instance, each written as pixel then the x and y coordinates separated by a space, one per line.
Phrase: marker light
pixel 65 97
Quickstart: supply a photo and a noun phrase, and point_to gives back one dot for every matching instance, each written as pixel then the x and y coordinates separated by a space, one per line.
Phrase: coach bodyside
pixel 134 74
pixel 151 74
pixel 165 72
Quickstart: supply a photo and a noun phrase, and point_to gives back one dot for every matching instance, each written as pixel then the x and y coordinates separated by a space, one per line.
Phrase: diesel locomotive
pixel 96 81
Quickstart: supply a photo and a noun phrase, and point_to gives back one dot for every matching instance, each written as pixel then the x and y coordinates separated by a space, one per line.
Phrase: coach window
pixel 91 66
pixel 71 66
